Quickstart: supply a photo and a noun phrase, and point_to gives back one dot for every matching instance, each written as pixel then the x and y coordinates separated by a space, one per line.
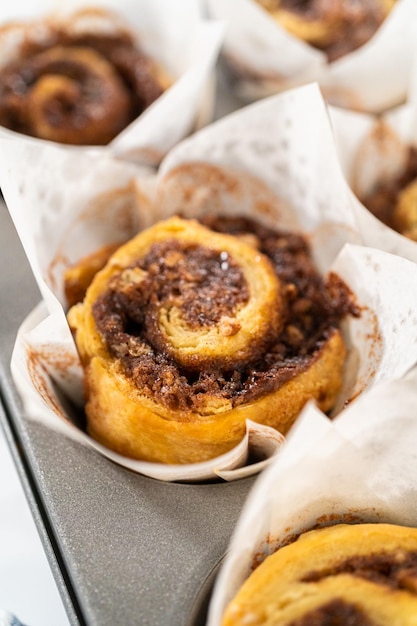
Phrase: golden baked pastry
pixel 334 26
pixel 78 277
pixel 405 211
pixel 352 575
pixel 77 86
pixel 189 331
pixel 394 200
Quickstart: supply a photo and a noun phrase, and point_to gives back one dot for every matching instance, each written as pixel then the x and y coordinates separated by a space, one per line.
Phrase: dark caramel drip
pixel 125 317
pixel 397 570
pixel 334 613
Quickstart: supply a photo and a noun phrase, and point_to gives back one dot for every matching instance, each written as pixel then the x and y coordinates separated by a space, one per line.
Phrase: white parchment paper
pixel 270 161
pixel 372 149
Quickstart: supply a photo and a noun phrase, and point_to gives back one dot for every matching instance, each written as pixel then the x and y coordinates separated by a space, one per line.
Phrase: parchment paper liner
pixel 266 59
pixel 65 207
pixel 174 33
pixel 359 468
pixel 371 149
pixel 45 364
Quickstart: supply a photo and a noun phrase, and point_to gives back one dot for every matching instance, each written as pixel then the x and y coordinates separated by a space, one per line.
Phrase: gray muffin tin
pixel 124 549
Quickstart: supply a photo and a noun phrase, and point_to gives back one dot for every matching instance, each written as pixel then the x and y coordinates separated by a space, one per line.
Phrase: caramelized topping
pixel 209 287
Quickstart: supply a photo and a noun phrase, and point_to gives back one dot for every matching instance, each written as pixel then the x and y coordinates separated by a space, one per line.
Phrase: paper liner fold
pixel 274 161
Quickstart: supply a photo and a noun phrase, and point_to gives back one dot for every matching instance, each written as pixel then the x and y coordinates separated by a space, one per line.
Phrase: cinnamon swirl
pixel 78 87
pixel 336 26
pixel 360 575
pixel 191 329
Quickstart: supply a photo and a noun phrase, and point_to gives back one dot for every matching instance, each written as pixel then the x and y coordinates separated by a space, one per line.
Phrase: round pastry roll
pixel 77 84
pixel 356 575
pixel 189 330
pixel 336 27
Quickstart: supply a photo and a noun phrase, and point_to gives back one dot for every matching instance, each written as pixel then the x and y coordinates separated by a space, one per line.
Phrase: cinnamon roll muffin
pixel 77 85
pixel 356 575
pixel 190 329
pixel 335 26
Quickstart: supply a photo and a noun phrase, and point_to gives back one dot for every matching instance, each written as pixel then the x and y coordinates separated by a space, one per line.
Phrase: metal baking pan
pixel 124 549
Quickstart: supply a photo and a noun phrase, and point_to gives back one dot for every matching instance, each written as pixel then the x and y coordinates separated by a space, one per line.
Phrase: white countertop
pixel 27 587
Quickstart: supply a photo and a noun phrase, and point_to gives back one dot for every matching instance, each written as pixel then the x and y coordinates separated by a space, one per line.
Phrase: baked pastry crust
pixel 361 575
pixel 148 399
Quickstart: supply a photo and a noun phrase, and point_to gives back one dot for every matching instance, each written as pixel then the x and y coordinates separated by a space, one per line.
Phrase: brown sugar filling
pixel 134 73
pixel 208 285
pixel 397 570
pixel 334 613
